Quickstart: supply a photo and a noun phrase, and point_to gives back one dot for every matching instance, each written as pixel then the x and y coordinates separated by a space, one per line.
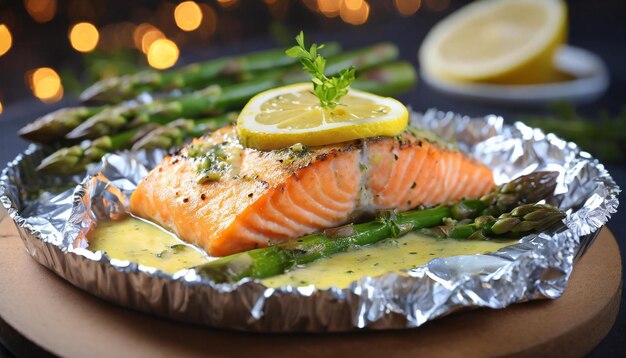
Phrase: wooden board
pixel 41 311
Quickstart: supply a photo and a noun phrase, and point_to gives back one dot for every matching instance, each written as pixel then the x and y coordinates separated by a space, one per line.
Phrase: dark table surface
pixel 596 26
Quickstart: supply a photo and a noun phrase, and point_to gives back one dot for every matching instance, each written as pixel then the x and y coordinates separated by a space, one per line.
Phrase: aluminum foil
pixel 53 228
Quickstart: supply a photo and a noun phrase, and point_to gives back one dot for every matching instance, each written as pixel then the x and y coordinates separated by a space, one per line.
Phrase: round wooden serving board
pixel 41 312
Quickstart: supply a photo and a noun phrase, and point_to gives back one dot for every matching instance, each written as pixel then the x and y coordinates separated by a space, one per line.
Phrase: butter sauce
pixel 391 255
pixel 145 243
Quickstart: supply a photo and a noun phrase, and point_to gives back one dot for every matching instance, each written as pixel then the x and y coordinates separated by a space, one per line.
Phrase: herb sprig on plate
pixel 328 89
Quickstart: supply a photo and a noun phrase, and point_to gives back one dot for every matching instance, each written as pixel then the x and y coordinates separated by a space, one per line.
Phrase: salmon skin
pixel 225 198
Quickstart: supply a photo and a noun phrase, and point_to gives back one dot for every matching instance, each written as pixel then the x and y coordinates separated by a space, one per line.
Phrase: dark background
pixel 598 26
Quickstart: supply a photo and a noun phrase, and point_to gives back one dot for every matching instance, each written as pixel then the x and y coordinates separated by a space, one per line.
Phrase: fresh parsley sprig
pixel 328 90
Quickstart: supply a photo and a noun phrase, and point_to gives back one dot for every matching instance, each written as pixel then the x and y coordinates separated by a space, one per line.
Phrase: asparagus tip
pixel 61 161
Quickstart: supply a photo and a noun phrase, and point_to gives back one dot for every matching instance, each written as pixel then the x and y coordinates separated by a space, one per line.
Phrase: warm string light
pixel 353 5
pixel 41 10
pixel 162 54
pixel 139 32
pixel 6 40
pixel 354 12
pixel 149 38
pixel 45 84
pixel 1 108
pixel 188 16
pixel 84 37
pixel 145 35
pixel 407 7
pixel 330 8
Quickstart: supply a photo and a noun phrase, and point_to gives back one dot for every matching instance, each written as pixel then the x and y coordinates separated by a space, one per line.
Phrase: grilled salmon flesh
pixel 226 198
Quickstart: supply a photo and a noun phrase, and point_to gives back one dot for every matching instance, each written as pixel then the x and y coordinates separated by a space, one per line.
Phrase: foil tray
pixel 53 223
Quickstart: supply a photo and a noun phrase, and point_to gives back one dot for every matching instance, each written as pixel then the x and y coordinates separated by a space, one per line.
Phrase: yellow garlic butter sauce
pixel 145 243
pixel 391 255
pixel 148 244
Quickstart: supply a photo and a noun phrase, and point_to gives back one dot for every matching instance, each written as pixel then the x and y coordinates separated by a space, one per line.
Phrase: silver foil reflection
pixel 53 228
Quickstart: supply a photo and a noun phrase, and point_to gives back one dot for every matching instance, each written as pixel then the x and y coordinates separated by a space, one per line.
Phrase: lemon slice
pixel 283 116
pixel 498 41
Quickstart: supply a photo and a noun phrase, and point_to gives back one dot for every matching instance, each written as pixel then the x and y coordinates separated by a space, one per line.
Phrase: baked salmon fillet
pixel 225 198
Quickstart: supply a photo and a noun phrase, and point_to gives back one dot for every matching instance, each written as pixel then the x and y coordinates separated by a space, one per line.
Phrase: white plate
pixel 591 79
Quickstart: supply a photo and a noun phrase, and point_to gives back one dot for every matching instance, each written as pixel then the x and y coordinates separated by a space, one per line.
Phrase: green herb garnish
pixel 328 90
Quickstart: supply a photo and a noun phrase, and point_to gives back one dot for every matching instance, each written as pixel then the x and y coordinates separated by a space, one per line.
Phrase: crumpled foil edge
pixel 53 229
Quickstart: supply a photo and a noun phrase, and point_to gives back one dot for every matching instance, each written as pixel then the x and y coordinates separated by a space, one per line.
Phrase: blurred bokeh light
pixel 149 34
pixel 162 54
pixel 41 10
pixel 45 84
pixel 107 38
pixel 84 37
pixel 354 12
pixel 188 15
pixel 329 8
pixel 407 7
pixel 6 40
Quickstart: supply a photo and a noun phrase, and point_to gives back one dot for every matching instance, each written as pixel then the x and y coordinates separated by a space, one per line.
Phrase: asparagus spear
pixel 274 260
pixel 210 101
pixel 517 223
pixel 76 158
pixel 214 100
pixel 526 189
pixel 73 159
pixel 115 90
pixel 56 124
pixel 175 133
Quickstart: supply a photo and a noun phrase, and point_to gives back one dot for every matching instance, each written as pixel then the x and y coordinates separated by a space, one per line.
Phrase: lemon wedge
pixel 497 41
pixel 284 116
